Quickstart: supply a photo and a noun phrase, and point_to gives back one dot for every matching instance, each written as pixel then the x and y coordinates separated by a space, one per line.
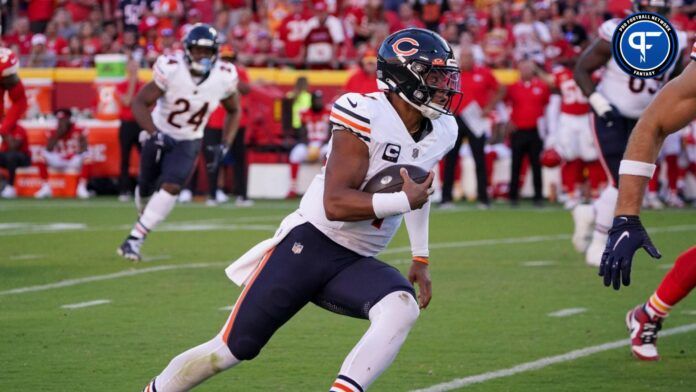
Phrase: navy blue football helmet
pixel 420 67
pixel 205 36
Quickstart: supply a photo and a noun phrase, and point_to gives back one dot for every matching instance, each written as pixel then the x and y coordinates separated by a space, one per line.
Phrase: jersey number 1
pixel 196 119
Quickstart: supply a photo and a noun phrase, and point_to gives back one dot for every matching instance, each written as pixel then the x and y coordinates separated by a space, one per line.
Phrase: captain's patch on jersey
pixel 645 45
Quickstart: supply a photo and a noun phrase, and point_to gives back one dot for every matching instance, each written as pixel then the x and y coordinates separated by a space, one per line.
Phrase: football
pixel 389 179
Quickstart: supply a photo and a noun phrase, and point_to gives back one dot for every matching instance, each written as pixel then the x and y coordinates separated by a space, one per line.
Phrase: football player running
pixel 186 89
pixel 617 101
pixel 10 83
pixel 324 252
pixel 673 109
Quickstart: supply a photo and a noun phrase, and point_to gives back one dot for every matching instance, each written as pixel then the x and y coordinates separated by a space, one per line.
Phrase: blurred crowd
pixel 315 34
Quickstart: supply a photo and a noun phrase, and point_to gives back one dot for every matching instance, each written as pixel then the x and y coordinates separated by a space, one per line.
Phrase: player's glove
pixel 626 236
pixel 159 139
pixel 604 109
pixel 215 155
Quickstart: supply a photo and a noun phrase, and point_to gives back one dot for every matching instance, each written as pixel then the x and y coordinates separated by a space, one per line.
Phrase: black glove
pixel 626 236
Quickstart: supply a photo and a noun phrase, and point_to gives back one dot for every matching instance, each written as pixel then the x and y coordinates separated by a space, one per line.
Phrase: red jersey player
pixel 573 138
pixel 14 153
pixel 10 83
pixel 314 137
pixel 66 150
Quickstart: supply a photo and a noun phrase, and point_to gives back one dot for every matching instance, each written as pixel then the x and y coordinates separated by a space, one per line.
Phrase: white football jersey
pixel 630 95
pixel 372 118
pixel 183 111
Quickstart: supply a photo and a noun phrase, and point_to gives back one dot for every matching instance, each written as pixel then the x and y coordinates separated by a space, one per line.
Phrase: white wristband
pixel 599 103
pixel 388 204
pixel 637 168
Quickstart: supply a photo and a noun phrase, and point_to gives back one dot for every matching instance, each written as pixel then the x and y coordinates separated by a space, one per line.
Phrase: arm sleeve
pixel 18 108
pixel 417 227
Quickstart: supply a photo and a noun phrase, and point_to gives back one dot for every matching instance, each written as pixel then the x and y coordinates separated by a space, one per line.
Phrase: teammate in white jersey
pixel 186 89
pixel 617 102
pixel 327 255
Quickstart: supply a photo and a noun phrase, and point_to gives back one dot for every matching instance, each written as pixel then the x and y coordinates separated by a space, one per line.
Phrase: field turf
pixel 496 277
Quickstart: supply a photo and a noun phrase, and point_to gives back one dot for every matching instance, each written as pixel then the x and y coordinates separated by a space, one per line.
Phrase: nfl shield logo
pixel 297 248
pixel 415 153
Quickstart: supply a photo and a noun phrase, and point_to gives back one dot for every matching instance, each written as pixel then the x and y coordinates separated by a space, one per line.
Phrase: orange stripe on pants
pixel 240 300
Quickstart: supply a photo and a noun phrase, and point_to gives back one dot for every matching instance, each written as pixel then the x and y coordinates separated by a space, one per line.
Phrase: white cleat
pixel 185 196
pixel 211 203
pixel 571 203
pixel 673 200
pixel 593 255
pixel 9 192
pixel 652 201
pixel 44 192
pixel 82 192
pixel 221 197
pixel 583 219
pixel 243 203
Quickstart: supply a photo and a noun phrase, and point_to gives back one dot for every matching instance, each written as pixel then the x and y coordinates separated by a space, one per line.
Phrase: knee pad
pixel 399 308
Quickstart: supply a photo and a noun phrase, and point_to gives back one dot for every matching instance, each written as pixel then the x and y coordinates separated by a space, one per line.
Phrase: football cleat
pixel 583 218
pixel 211 203
pixel 9 192
pixel 82 192
pixel 593 255
pixel 673 200
pixel 652 201
pixel 185 196
pixel 221 197
pixel 243 202
pixel 44 192
pixel 643 332
pixel 130 248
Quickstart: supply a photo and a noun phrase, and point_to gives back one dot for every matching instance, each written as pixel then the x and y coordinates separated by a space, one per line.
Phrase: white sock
pixel 604 209
pixel 391 320
pixel 156 210
pixel 194 366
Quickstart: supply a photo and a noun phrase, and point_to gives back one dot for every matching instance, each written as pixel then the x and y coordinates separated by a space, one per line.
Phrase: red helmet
pixel 550 158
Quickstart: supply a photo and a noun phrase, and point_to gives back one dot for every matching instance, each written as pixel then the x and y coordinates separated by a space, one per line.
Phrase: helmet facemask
pixel 438 91
pixel 204 64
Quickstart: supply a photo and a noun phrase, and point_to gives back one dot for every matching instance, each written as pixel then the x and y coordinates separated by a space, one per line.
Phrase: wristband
pixel 388 204
pixel 421 259
pixel 637 168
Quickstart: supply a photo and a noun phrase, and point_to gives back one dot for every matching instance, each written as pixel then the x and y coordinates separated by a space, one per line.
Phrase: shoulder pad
pixel 351 111
pixel 163 69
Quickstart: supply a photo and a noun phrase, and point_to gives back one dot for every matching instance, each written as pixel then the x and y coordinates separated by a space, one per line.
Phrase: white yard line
pixel 227 308
pixel 25 257
pixel 567 312
pixel 86 304
pixel 544 362
pixel 442 245
pixel 115 275
pixel 540 263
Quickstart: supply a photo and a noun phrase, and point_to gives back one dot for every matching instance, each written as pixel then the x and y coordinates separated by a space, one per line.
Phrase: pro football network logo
pixel 645 45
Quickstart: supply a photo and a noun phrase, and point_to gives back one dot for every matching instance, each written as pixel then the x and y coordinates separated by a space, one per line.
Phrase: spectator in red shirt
pixel 263 53
pixel 54 43
pixel 39 13
pixel 292 32
pixel 79 9
pixel 129 129
pixel 323 38
pixel 21 36
pixel 364 79
pixel 14 153
pixel 404 19
pixel 481 92
pixel 528 98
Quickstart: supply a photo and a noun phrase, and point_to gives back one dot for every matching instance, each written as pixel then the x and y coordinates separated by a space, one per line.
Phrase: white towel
pixel 241 270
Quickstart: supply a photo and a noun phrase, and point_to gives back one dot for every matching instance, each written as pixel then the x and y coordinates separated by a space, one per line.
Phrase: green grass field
pixel 489 311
